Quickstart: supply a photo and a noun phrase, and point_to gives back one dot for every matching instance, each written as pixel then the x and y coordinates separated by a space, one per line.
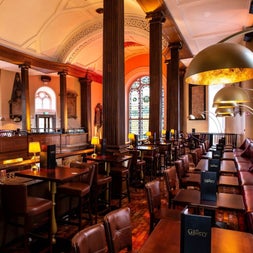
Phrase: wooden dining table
pixel 107 159
pixel 165 238
pixel 226 167
pixel 53 176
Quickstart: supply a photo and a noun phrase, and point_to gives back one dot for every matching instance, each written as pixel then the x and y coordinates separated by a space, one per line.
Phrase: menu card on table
pixel 195 233
pixel 208 186
pixel 214 165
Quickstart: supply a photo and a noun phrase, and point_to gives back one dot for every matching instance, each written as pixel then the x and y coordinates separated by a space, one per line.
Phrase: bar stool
pixel 120 180
pixel 137 170
pixel 101 193
pixel 79 189
pixel 20 210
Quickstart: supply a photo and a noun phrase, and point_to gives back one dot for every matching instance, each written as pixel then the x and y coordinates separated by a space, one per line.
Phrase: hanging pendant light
pixel 231 95
pixel 221 63
pixel 225 112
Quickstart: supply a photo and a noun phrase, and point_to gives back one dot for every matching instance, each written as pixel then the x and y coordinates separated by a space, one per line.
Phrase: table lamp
pixel 131 139
pixel 148 134
pixel 94 141
pixel 34 147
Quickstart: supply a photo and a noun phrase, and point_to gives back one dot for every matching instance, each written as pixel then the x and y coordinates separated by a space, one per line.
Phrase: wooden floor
pixel 139 219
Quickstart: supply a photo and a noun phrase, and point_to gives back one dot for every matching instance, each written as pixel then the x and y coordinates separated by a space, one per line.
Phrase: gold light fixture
pixel 94 141
pixel 225 112
pixel 231 95
pixel 221 63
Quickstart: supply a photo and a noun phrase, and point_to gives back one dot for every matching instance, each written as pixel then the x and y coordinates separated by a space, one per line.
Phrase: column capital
pixel 176 45
pixel 156 16
pixel 24 66
pixel 62 73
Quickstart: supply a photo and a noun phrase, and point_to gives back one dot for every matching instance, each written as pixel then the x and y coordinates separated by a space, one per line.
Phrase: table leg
pixel 52 188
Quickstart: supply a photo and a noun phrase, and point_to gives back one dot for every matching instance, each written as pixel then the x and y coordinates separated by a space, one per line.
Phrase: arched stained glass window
pixel 139 106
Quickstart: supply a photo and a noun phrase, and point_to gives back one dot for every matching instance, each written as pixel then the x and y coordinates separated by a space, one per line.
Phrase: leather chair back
pixel 153 196
pixel 91 239
pixel 118 230
pixel 170 178
pixel 14 199
pixel 87 177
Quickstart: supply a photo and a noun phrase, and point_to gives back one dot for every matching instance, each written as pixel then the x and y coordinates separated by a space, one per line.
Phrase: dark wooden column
pixel 85 84
pixel 26 115
pixel 183 101
pixel 113 75
pixel 173 89
pixel 63 101
pixel 155 43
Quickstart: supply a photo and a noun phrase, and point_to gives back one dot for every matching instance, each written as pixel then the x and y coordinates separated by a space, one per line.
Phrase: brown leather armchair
pixel 118 230
pixel 19 209
pixel 90 239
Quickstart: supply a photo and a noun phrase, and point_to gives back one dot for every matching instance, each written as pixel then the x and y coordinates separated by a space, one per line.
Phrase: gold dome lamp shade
pixel 225 112
pixel 221 63
pixel 230 95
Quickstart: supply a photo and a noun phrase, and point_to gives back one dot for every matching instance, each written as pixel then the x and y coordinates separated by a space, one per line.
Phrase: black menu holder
pixel 208 186
pixel 217 154
pixel 195 233
pixel 48 157
pixel 214 166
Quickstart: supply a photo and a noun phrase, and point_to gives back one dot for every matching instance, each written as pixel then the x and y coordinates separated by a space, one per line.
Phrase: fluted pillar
pixel 113 75
pixel 155 112
pixel 63 101
pixel 173 89
pixel 86 121
pixel 26 115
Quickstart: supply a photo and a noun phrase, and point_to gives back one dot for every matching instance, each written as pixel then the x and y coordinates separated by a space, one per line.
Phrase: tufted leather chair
pixel 90 239
pixel 80 189
pixel 158 211
pixel 118 230
pixel 17 204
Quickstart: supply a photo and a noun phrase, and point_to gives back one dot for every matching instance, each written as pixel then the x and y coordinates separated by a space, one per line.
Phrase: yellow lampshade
pixel 221 63
pixel 172 131
pixel 231 94
pixel 34 147
pixel 131 136
pixel 163 131
pixel 148 133
pixel 94 140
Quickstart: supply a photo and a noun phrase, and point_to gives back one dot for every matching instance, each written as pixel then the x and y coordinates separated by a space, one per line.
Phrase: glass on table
pixel 3 176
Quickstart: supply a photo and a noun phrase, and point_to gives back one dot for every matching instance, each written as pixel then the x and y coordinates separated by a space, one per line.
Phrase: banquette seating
pixel 243 157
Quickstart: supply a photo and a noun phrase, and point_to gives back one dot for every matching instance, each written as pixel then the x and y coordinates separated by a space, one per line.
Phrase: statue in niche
pixel 16 99
pixel 98 118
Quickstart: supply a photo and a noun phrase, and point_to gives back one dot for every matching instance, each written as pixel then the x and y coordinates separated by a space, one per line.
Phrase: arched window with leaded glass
pixel 139 106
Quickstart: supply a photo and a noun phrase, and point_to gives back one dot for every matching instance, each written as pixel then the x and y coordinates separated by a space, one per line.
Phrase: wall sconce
pixel 131 139
pixel 94 141
pixel 34 147
pixel 45 79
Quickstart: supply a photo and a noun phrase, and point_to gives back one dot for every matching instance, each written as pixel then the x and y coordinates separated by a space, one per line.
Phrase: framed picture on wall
pixel 197 101
pixel 71 104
